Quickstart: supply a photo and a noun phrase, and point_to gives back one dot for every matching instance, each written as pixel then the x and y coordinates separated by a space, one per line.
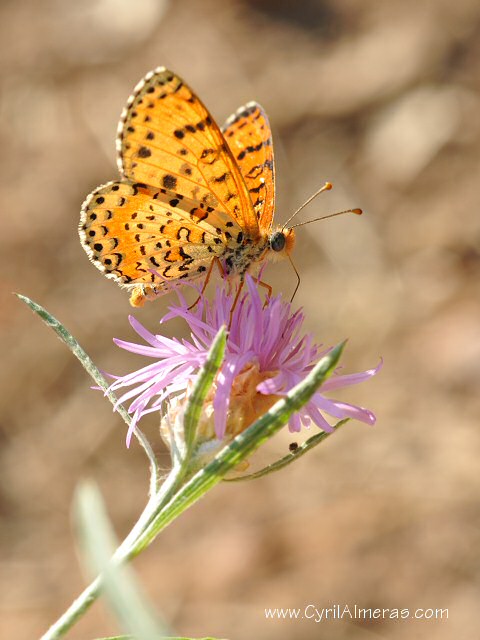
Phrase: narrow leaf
pixel 203 382
pixel 93 371
pixel 122 591
pixel 292 456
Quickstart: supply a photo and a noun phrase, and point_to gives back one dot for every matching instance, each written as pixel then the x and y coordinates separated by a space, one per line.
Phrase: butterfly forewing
pixel 168 139
pixel 249 137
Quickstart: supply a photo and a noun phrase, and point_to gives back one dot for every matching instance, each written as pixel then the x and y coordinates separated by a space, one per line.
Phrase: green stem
pixel 76 610
pixel 158 513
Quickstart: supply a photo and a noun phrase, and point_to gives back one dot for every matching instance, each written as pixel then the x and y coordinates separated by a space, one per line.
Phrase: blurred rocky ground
pixel 382 99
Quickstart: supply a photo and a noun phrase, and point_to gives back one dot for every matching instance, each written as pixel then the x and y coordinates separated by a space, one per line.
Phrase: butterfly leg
pixel 214 262
pixel 258 280
pixel 298 279
pixel 237 295
pixel 239 290
pixel 266 286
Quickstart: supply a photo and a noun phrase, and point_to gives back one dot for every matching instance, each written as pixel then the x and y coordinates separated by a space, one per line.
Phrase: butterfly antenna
pixel 358 212
pixel 326 187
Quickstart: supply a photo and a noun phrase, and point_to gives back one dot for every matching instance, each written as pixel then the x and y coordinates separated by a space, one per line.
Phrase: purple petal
pixel 260 330
pixel 344 410
pixel 295 423
pixel 317 417
pixel 142 331
pixel 340 381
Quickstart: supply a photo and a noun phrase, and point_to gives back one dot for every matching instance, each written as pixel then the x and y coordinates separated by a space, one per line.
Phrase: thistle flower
pixel 266 356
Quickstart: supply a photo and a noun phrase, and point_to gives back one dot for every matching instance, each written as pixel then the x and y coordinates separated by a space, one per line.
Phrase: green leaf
pixel 203 382
pixel 93 371
pixel 121 589
pixel 292 456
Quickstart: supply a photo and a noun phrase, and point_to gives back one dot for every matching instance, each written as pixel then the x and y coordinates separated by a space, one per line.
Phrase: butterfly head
pixel 282 241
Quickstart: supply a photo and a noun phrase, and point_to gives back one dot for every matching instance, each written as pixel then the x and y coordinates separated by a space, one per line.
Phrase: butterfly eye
pixel 277 241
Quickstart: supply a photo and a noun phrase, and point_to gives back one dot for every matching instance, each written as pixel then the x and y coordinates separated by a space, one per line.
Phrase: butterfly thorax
pixel 246 256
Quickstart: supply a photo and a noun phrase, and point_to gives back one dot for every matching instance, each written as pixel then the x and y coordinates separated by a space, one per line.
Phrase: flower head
pixel 266 356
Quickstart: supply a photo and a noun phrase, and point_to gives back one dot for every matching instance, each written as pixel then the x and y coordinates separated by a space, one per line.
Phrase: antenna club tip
pixel 357 211
pixel 328 186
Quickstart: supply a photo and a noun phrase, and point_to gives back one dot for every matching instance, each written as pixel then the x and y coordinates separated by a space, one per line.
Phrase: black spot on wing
pixel 253 148
pixel 169 181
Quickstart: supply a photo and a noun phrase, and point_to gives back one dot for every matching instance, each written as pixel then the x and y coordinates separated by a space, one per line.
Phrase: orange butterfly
pixel 190 193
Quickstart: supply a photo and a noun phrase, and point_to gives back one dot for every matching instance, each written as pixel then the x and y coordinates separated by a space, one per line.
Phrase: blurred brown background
pixel 381 98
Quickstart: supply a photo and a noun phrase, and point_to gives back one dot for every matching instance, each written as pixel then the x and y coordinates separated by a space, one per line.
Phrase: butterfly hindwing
pixel 138 234
pixel 249 137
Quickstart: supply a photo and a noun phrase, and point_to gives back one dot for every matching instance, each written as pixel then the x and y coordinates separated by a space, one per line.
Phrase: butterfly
pixel 190 194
